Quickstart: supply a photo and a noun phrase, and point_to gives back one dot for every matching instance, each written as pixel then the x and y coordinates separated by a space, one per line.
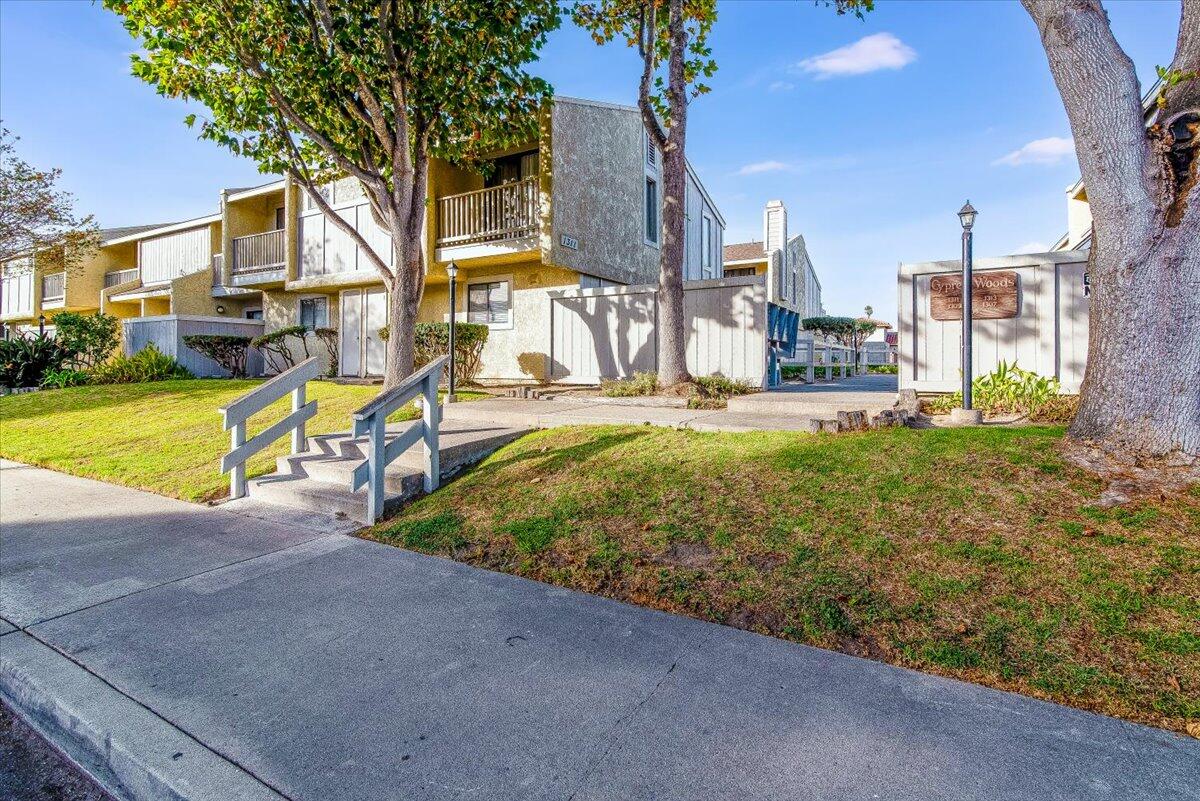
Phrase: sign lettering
pixel 995 295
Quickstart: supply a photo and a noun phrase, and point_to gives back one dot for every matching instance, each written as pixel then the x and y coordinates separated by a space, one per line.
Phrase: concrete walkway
pixel 789 408
pixel 197 652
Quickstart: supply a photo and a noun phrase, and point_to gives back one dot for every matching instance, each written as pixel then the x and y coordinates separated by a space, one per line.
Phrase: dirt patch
pixel 690 555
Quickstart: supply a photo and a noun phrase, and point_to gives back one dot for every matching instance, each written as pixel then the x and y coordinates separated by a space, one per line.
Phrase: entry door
pixel 363 313
pixel 350 360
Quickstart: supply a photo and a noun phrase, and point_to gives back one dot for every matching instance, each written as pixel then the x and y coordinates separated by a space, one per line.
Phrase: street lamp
pixel 452 271
pixel 41 325
pixel 967 216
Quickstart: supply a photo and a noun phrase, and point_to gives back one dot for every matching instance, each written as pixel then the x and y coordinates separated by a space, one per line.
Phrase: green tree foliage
pixel 89 338
pixel 369 89
pixel 36 217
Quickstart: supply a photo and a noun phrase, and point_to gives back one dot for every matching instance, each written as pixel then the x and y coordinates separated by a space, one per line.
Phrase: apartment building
pixel 578 206
pixel 791 279
pixel 33 290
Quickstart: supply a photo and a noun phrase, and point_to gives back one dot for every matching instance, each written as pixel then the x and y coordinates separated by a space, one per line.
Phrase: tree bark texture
pixel 1141 389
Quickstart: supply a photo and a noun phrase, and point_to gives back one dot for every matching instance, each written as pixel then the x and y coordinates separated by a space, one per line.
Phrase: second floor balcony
pixel 114 277
pixel 258 259
pixel 505 214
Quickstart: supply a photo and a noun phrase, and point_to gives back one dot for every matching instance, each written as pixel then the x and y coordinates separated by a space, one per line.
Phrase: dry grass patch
pixel 973 553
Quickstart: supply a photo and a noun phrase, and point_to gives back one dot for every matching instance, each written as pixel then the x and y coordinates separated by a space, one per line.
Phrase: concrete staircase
pixel 319 480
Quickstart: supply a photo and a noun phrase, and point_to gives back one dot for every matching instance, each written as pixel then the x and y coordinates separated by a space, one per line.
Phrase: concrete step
pixel 319 480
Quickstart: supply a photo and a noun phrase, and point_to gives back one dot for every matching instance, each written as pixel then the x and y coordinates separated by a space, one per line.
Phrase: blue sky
pixel 872 163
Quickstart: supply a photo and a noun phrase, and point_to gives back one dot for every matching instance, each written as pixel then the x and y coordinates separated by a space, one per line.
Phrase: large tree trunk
pixel 405 302
pixel 672 323
pixel 1141 393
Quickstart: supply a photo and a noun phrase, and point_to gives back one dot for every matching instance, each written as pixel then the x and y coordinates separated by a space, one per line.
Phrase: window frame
pixel 300 301
pixel 652 176
pixel 489 280
pixel 707 257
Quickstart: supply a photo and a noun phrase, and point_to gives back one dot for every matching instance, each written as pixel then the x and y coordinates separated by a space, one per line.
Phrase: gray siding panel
pixel 167 333
pixel 168 257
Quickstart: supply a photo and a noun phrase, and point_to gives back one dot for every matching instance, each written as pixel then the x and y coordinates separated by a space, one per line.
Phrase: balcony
pixel 120 277
pixel 259 259
pixel 497 219
pixel 54 289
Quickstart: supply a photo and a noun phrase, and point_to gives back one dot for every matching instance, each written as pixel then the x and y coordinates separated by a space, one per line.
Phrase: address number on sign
pixel 995 295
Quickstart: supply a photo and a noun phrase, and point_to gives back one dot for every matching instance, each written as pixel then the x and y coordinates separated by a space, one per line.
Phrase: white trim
pixel 194 317
pixel 255 191
pixel 759 260
pixel 152 233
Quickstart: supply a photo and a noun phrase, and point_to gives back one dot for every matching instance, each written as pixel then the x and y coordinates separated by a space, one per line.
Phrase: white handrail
pixel 371 420
pixel 235 414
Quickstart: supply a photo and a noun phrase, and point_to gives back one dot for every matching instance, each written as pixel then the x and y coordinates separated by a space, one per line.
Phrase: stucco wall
pixel 597 179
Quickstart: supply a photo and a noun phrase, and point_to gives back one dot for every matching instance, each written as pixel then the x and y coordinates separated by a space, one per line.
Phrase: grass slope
pixel 972 553
pixel 165 437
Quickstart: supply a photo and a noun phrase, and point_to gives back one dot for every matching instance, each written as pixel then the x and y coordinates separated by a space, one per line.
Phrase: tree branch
pixel 1187 59
pixel 648 41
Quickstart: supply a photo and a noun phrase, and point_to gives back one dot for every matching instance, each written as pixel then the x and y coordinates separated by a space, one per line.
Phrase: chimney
pixel 774 226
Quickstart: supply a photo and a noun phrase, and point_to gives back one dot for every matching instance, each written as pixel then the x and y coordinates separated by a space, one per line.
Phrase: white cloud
pixel 879 51
pixel 1050 150
pixel 764 166
pixel 780 86
pixel 1033 247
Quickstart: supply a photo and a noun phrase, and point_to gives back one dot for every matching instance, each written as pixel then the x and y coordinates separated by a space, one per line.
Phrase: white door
pixel 350 360
pixel 363 313
pixel 374 317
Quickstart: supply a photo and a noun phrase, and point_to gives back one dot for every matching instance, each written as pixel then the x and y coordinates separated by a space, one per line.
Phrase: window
pixel 254 314
pixel 280 219
pixel 314 313
pixel 706 246
pixel 651 153
pixel 488 303
pixel 737 272
pixel 651 211
pixel 595 282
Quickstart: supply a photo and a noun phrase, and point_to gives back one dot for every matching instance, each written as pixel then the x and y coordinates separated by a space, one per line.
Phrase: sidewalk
pixel 217 656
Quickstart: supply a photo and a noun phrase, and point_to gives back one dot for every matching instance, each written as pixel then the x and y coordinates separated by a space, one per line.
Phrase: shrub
pixel 148 364
pixel 329 337
pixel 88 339
pixel 640 384
pixel 711 391
pixel 885 369
pixel 1009 390
pixel 25 360
pixel 433 340
pixel 227 350
pixel 61 379
pixel 276 348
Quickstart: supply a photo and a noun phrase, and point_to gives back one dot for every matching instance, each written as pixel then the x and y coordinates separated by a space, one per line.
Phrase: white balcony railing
pixel 54 287
pixel 508 211
pixel 119 276
pixel 256 253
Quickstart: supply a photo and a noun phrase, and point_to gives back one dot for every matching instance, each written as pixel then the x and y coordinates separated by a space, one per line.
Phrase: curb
pixel 129 751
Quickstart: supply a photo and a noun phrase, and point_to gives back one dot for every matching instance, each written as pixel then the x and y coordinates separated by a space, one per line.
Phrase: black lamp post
pixel 967 216
pixel 41 325
pixel 452 271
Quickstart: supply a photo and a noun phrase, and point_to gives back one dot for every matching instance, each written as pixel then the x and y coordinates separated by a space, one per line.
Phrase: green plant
pixel 61 379
pixel 1007 390
pixel 433 340
pixel 275 345
pixel 227 350
pixel 638 385
pixel 329 338
pixel 24 360
pixel 883 369
pixel 148 364
pixel 88 339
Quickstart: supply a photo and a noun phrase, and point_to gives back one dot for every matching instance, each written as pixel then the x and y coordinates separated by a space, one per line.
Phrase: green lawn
pixel 973 553
pixel 165 437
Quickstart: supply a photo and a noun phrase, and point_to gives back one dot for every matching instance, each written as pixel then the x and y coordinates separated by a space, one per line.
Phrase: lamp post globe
pixel 452 273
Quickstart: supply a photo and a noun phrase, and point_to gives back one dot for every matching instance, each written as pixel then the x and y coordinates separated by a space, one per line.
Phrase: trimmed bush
pixel 25 360
pixel 433 340
pixel 227 350
pixel 148 364
pixel 276 349
pixel 88 339
pixel 329 338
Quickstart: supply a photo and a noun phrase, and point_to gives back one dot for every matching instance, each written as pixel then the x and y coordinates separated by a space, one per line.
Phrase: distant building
pixel 791 278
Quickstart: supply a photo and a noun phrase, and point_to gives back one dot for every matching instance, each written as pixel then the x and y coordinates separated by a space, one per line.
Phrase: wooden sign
pixel 995 295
